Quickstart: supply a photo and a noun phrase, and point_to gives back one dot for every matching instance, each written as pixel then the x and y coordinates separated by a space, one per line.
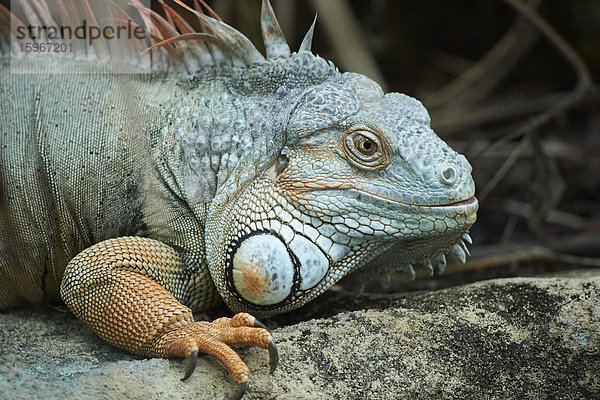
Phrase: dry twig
pixel 478 80
pixel 584 80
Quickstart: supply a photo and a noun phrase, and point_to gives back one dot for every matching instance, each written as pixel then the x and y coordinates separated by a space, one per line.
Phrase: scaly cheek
pixel 319 170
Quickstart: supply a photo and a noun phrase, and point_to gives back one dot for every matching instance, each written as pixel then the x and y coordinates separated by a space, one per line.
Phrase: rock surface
pixel 504 338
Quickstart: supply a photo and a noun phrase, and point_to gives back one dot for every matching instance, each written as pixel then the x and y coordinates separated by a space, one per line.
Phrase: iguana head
pixel 353 171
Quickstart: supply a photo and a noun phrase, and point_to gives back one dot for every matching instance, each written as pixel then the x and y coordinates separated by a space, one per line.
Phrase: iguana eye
pixel 367 150
pixel 365 145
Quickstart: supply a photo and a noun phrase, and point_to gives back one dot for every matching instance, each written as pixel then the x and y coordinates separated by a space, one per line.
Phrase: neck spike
pixel 307 41
pixel 275 42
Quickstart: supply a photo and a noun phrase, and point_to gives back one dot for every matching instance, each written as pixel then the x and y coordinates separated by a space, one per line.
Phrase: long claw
pixel 258 324
pixel 241 390
pixel 273 355
pixel 191 365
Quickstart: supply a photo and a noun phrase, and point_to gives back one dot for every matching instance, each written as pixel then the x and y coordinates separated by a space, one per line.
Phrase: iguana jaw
pixel 367 214
pixel 277 253
pixel 425 233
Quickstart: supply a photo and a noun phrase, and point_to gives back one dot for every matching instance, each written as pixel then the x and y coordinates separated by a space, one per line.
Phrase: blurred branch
pixel 343 30
pixel 512 254
pixel 477 81
pixel 460 118
pixel 525 210
pixel 495 256
pixel 506 166
pixel 577 260
pixel 584 80
pixel 583 243
pixel 583 74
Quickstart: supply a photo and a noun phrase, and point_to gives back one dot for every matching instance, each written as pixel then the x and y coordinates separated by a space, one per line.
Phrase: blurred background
pixel 515 91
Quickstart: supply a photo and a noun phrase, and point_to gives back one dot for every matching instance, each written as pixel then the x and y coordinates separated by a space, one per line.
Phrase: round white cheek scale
pixel 263 272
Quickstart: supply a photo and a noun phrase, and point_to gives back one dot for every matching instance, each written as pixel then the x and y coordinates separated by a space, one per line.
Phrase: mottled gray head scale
pixel 342 173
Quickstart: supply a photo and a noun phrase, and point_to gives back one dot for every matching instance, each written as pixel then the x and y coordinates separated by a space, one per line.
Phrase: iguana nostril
pixel 448 174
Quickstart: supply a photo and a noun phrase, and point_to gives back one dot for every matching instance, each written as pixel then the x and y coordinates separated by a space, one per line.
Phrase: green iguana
pixel 211 174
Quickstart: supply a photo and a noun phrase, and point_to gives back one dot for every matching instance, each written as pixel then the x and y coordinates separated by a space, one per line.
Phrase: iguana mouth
pixel 365 194
pixel 466 202
pixel 471 201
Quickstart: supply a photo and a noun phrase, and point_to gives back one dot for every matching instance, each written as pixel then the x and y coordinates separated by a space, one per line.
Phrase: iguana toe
pixel 214 338
pixel 246 320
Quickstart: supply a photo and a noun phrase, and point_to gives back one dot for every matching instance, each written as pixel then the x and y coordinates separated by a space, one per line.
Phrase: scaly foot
pixel 214 338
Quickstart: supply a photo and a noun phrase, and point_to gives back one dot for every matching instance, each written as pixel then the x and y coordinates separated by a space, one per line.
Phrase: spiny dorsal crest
pixel 170 43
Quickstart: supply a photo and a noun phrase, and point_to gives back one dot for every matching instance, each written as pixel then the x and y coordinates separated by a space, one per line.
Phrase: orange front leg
pixel 113 287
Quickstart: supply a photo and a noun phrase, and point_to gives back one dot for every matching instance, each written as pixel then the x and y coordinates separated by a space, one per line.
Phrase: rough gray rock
pixel 505 338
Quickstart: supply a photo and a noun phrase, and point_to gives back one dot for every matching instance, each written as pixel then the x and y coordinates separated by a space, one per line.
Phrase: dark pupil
pixel 367 145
